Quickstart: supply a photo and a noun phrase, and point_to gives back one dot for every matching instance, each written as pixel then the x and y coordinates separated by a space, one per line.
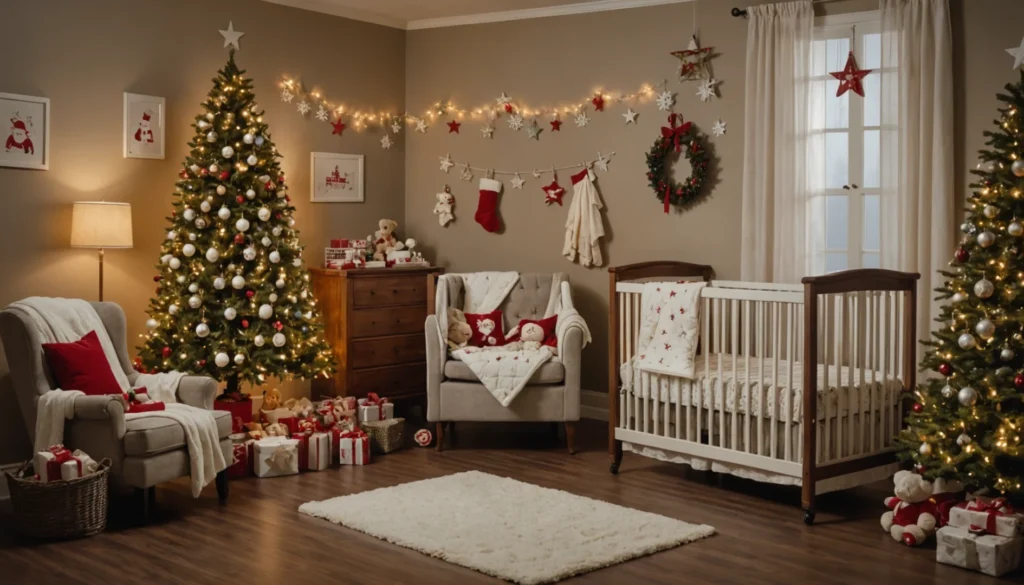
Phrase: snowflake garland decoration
pixel 706 89
pixel 719 128
pixel 385 142
pixel 303 107
pixel 321 114
pixel 515 122
pixel 581 119
pixel 666 100
pixel 487 131
pixel 287 96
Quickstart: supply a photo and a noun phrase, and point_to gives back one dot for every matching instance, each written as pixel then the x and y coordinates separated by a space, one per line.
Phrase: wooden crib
pixel 794 384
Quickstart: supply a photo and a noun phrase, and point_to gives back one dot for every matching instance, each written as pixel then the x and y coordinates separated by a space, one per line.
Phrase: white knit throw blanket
pixel 67 320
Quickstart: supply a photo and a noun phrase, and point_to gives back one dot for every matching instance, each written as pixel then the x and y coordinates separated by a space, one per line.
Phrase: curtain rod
pixel 743 11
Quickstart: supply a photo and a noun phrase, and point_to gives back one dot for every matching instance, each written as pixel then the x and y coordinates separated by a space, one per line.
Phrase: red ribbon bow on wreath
pixel 674 132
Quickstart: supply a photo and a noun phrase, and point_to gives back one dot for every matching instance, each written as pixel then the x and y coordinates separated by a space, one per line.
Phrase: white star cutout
pixel 396 127
pixel 1018 54
pixel 581 119
pixel 515 122
pixel 517 182
pixel 706 89
pixel 446 162
pixel 502 101
pixel 534 130
pixel 487 131
pixel 303 107
pixel 287 96
pixel 467 173
pixel 385 142
pixel 231 36
pixel 630 116
pixel 719 128
pixel 321 114
pixel 421 126
pixel 536 174
pixel 601 162
pixel 666 100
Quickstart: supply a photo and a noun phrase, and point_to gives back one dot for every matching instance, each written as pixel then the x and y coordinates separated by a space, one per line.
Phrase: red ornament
pixel 509 108
pixel 598 102
pixel 201 364
pixel 203 172
pixel 174 213
pixel 918 407
pixel 250 294
pixel 280 179
pixel 1018 381
pixel 556 125
pixel 240 199
pixel 183 174
pixel 553 193
pixel 245 323
pixel 166 352
pixel 157 278
pixel 288 198
pixel 962 255
pixel 946 369
pixel 453 126
pixel 339 127
pixel 277 215
pixel 850 77
pixel 225 175
pixel 269 186
pixel 239 239
pixel 278 325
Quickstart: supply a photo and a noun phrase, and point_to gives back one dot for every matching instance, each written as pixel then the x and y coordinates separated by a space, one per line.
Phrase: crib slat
pixel 761 342
pixel 791 359
pixel 722 325
pixel 746 389
pixel 874 342
pixel 886 354
pixel 775 395
pixel 738 388
pixel 703 388
pixel 679 406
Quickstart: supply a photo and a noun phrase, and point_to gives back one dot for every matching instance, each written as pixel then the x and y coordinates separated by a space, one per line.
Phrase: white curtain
pixel 775 191
pixel 917 203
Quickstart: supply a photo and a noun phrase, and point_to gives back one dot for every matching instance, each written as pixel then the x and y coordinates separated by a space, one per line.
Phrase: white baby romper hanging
pixel 584 227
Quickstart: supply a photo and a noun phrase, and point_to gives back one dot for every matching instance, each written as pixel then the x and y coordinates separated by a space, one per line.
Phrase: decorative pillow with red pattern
pixel 488 328
pixel 548 324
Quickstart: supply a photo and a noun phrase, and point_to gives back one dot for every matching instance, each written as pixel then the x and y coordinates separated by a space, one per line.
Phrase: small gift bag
pixel 374 407
pixel 319 452
pixel 276 456
pixel 385 435
pixel 353 448
pixel 987 553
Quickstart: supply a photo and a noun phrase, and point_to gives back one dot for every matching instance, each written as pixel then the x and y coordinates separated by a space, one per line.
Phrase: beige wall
pixel 83 55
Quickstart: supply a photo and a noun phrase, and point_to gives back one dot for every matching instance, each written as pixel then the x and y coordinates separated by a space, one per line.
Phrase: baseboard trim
pixel 593 405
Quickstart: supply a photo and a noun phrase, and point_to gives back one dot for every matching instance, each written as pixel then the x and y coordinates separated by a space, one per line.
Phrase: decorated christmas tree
pixel 967 424
pixel 233 300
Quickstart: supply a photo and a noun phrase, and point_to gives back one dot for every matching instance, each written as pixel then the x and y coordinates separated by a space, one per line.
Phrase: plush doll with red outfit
pixel 138 400
pixel 913 512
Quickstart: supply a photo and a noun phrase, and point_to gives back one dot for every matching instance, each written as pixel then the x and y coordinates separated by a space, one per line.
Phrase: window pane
pixel 872 159
pixel 872 99
pixel 837 220
pixel 872 49
pixel 835 261
pixel 870 260
pixel 837 109
pixel 872 232
pixel 836 53
pixel 818 65
pixel 837 157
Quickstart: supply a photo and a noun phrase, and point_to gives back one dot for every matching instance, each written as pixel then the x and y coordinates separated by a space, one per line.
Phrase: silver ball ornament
pixel 180 279
pixel 985 329
pixel 221 359
pixel 266 311
pixel 967 227
pixel 990 211
pixel 276 231
pixel 172 310
pixel 238 282
pixel 242 225
pixel 202 330
pixel 259 141
pixel 984 288
pixel 223 213
pixel 211 136
pixel 280 283
pixel 963 440
pixel 230 313
pixel 239 359
pixel 219 283
pixel 195 302
pixel 221 189
pixel 1015 229
pixel 174 263
pixel 263 213
pixel 193 288
pixel 189 214
pixel 151 324
pixel 258 341
pixel 948 391
pixel 200 223
pixel 188 250
pixel 214 168
pixel 250 194
pixel 273 297
pixel 203 124
pixel 212 255
pixel 209 116
pixel 227 152
pixel 204 207
pixel 297 262
pixel 958 297
pixel 249 253
pixel 967 396
pixel 172 235
pixel 1007 354
pixel 966 341
pixel 925 449
pixel 265 241
pixel 986 239
pixel 1017 168
pixel 278 339
pixel 252 160
pixel 274 257
pixel 192 237
pixel 247 138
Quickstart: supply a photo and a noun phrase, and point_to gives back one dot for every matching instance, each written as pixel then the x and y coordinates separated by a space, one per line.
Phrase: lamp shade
pixel 101 224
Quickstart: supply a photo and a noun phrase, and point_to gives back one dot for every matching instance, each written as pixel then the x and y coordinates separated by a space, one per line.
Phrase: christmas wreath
pixel 675 139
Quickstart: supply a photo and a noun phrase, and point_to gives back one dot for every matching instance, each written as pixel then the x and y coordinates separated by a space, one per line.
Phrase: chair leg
pixel 142 497
pixel 222 486
pixel 439 436
pixel 452 437
pixel 151 497
pixel 570 436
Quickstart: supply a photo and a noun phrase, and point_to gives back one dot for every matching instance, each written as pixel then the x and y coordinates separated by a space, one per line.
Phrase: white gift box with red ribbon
pixel 354 448
pixel 987 553
pixel 275 456
pixel 374 407
pixel 58 463
pixel 991 515
pixel 318 452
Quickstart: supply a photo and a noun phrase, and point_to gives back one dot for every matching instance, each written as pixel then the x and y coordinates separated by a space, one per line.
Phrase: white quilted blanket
pixel 502 371
pixel 669 328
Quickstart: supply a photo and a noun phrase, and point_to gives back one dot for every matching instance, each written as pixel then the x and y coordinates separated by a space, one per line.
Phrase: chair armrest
pixel 109 407
pixel 566 296
pixel 571 353
pixel 198 391
pixel 437 352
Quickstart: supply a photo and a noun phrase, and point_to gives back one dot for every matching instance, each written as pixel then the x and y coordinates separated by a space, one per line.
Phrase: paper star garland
pixel 467 173
pixel 453 126
pixel 322 114
pixel 602 162
pixel 666 100
pixel 706 89
pixel 396 127
pixel 630 116
pixel 598 102
pixel 536 174
pixel 231 36
pixel 517 182
pixel 446 162
pixel 553 193
pixel 556 125
pixel 719 128
pixel 504 100
pixel 385 142
pixel 487 131
pixel 1018 54
pixel 339 127
pixel 303 107
pixel 515 122
pixel 287 96
pixel 850 77
pixel 581 119
pixel 421 126
pixel 533 131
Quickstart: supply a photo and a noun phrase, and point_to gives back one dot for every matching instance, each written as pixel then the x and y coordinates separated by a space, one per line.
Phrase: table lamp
pixel 101 224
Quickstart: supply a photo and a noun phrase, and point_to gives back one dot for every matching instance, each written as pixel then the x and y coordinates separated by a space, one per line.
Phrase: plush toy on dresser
pixel 384 241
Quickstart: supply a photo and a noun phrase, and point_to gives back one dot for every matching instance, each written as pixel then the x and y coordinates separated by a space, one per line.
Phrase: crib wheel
pixel 614 468
pixel 808 516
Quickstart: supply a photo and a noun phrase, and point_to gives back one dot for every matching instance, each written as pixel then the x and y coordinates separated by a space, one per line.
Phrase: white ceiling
pixel 417 14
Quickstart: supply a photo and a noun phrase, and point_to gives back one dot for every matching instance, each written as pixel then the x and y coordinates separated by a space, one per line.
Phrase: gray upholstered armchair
pixel 144 452
pixel 454 393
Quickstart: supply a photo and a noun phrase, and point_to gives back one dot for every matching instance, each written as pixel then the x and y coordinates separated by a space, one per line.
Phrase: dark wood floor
pixel 259 537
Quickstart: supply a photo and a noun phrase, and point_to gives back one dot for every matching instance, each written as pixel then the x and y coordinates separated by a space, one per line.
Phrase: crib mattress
pixel 762 393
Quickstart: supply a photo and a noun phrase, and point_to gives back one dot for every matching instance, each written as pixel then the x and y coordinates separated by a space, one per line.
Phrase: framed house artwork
pixel 336 178
pixel 144 126
pixel 25 124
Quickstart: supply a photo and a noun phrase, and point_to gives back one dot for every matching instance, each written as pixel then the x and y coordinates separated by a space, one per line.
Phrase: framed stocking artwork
pixel 336 178
pixel 144 126
pixel 25 127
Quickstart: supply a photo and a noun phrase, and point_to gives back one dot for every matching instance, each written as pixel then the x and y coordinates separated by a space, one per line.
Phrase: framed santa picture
pixel 26 131
pixel 143 126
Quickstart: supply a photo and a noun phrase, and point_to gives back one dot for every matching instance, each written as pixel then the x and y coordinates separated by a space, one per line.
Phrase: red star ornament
pixel 339 127
pixel 850 77
pixel 598 102
pixel 553 193
pixel 556 125
pixel 453 126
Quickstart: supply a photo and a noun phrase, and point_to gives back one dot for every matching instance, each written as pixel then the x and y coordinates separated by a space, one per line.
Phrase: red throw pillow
pixel 82 365
pixel 548 325
pixel 488 328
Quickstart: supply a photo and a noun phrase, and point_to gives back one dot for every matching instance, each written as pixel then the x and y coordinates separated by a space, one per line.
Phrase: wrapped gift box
pixel 243 458
pixel 353 448
pixel 275 456
pixel 319 453
pixel 987 553
pixel 58 463
pixel 374 408
pixel 275 416
pixel 385 435
pixel 239 407
pixel 995 516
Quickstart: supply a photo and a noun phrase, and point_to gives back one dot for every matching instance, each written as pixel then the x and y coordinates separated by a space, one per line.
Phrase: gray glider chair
pixel 454 393
pixel 144 452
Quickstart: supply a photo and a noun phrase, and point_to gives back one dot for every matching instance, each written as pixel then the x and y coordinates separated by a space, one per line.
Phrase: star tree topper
pixel 1018 54
pixel 231 36
pixel 850 77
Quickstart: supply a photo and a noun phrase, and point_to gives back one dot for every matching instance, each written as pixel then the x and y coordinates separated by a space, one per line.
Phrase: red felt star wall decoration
pixel 339 127
pixel 598 102
pixel 850 77
pixel 556 125
pixel 453 126
pixel 553 193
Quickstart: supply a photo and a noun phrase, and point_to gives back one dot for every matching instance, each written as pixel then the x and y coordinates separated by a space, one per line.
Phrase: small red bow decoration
pixel 372 399
pixel 675 132
pixel 355 434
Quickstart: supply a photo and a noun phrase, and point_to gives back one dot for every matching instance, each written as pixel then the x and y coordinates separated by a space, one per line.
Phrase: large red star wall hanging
pixel 339 127
pixel 453 126
pixel 553 193
pixel 850 77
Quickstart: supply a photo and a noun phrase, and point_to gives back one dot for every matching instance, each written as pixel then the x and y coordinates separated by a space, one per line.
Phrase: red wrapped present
pixel 318 451
pixel 291 422
pixel 242 465
pixel 303 449
pixel 353 448
pixel 373 408
pixel 240 407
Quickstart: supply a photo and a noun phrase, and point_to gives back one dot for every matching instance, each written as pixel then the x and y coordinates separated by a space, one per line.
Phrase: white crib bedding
pixel 844 388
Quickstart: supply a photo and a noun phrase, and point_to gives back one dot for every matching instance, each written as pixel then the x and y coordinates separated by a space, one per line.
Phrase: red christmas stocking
pixel 487 207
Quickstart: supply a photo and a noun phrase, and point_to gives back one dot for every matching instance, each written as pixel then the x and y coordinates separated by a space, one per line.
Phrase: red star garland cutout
pixel 453 126
pixel 850 77
pixel 556 125
pixel 598 102
pixel 339 127
pixel 553 193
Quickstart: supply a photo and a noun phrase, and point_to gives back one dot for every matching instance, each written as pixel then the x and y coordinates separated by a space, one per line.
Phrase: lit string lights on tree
pixel 967 425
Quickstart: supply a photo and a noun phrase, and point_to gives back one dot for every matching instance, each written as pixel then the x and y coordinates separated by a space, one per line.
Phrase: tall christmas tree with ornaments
pixel 966 424
pixel 233 300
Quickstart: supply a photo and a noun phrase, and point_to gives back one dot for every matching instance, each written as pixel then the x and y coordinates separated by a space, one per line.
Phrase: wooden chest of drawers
pixel 373 319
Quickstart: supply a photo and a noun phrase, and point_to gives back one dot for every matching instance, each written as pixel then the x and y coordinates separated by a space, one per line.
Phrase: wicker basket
pixel 60 509
pixel 385 435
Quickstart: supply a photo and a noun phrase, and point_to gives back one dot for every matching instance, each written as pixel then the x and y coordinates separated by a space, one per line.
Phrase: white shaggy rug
pixel 506 528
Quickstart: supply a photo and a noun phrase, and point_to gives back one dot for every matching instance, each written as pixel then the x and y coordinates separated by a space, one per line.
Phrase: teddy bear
pixel 271 399
pixel 459 330
pixel 913 513
pixel 443 208
pixel 385 240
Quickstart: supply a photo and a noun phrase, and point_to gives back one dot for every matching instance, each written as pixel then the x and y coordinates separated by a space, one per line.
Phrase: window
pixel 844 149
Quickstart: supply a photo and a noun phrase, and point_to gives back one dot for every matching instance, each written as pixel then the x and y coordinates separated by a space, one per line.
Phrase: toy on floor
pixel 423 437
pixel 271 399
pixel 913 512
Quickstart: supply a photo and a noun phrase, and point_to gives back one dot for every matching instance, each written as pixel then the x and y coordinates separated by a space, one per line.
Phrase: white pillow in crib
pixel 670 328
